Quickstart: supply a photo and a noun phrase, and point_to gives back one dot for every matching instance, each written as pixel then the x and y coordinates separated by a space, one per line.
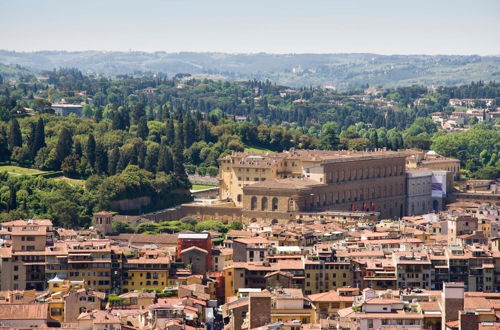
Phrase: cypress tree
pixel 31 141
pixel 39 135
pixel 63 146
pixel 90 150
pixel 142 129
pixel 151 161
pixel 170 131
pixel 4 145
pixel 113 158
pixel 178 167
pixel 12 203
pixel 101 159
pixel 15 136
pixel 189 131
pixel 179 134
pixel 165 160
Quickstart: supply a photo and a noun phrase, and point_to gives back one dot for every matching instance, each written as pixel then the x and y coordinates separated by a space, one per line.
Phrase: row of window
pixel 327 266
pixel 88 274
pixel 365 173
pixel 141 283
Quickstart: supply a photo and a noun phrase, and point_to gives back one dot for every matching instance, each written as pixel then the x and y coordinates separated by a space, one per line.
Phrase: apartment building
pixel 252 249
pixel 321 276
pixel 413 270
pixel 23 254
pixel 149 269
pixel 83 260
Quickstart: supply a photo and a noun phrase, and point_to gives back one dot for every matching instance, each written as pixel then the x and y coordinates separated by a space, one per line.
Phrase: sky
pixel 252 26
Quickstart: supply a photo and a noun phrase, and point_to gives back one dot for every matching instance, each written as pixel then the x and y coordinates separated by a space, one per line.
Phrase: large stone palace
pixel 276 186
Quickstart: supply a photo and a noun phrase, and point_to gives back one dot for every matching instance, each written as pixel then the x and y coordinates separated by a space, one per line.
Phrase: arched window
pixel 253 203
pixel 264 203
pixel 274 204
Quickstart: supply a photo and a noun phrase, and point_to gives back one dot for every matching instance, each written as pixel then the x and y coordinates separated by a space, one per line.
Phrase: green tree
pixel 70 165
pixel 178 164
pixel 120 227
pixel 165 161
pixel 210 225
pixel 329 136
pixel 151 161
pixel 113 158
pixel 15 136
pixel 65 214
pixel 101 159
pixel 63 146
pixel 39 140
pixel 487 173
pixel 90 151
pixel 4 145
pixel 170 131
pixel 142 129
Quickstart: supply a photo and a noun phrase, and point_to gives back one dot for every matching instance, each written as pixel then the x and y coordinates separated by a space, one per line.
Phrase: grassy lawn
pixel 258 150
pixel 73 182
pixel 201 186
pixel 16 170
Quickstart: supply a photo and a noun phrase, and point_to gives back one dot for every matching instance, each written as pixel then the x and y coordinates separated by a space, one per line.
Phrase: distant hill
pixel 337 70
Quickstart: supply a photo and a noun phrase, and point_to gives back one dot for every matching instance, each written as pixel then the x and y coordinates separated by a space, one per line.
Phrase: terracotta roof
pixel 429 306
pixel 167 239
pixel 150 295
pixel 251 240
pixel 239 233
pixel 329 296
pixel 100 317
pixel 23 312
pixel 475 303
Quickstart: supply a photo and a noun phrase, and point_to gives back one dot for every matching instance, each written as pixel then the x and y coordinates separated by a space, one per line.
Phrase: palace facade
pixel 277 186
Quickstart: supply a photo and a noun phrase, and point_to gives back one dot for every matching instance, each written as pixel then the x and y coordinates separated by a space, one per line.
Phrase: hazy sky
pixel 291 26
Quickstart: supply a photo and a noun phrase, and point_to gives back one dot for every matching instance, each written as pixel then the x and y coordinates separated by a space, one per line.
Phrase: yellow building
pixel 323 276
pixel 89 261
pixel 149 271
pixel 221 258
pixel 66 300
pixel 57 288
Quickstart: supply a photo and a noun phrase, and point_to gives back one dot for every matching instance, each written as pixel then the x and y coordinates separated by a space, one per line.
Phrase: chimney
pixel 452 301
pixel 259 309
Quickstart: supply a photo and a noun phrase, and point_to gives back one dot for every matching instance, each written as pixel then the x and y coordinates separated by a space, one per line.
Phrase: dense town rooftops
pixel 29 222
